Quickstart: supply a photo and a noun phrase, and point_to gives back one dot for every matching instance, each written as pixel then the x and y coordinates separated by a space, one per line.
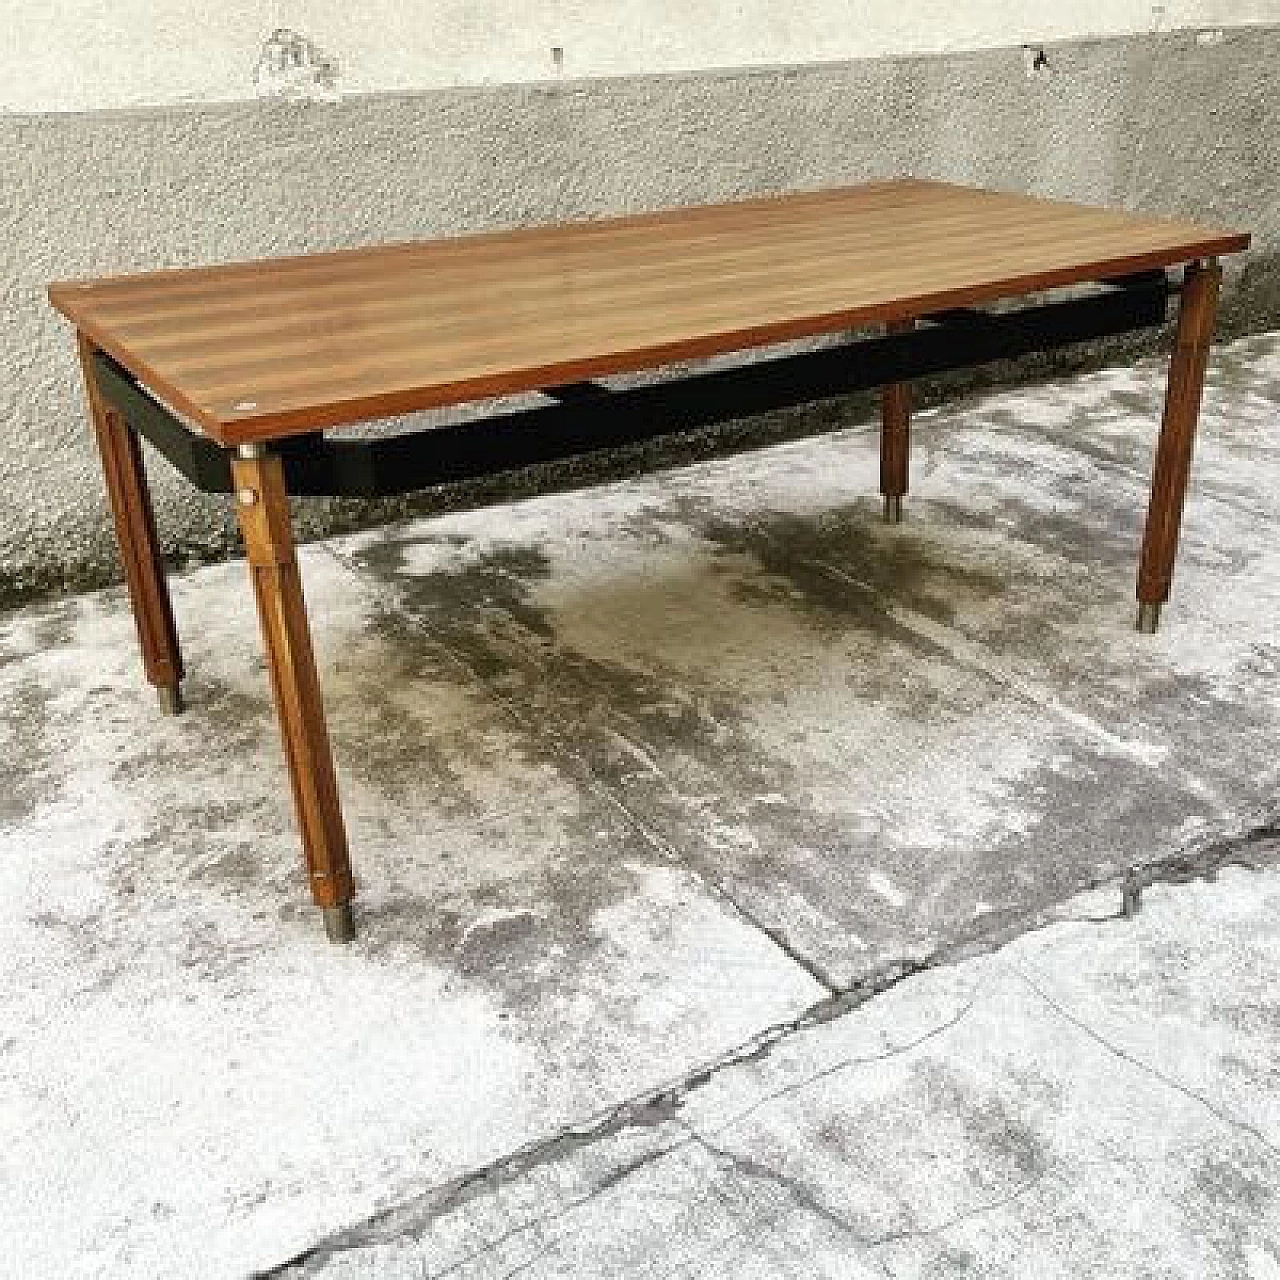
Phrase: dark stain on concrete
pixel 1221 733
pixel 1003 1146
pixel 530 936
pixel 1087 817
pixel 81 936
pixel 1144 405
pixel 386 741
pixel 897 566
pixel 187 838
pixel 38 629
pixel 541 932
pixel 1226 1202
pixel 951 1260
pixel 1007 1140
pixel 1237 1067
pixel 576 714
pixel 1232 1188
pixel 1092 530
pixel 497 582
pixel 28 758
pixel 486 618
pixel 1250 1017
pixel 52 625
pixel 575 699
pixel 238 865
pixel 480 620
pixel 573 708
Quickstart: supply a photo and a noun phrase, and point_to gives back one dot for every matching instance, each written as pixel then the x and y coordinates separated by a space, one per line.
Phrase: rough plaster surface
pixel 640 781
pixel 140 52
pixel 1160 123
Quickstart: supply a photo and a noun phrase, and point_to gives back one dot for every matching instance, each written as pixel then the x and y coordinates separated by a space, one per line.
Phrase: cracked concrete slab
pixel 1094 1099
pixel 640 780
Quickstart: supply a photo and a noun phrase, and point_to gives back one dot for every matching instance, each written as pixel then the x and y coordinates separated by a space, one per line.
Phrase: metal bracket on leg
pixel 1148 618
pixel 893 510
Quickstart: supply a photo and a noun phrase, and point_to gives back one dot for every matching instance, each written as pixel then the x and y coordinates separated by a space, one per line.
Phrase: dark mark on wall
pixel 293 66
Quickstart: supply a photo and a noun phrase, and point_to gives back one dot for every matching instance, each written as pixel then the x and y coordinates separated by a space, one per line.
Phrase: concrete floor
pixel 1097 1099
pixel 664 798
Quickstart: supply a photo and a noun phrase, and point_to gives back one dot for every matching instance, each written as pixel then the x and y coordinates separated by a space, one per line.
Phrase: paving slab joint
pixel 1254 847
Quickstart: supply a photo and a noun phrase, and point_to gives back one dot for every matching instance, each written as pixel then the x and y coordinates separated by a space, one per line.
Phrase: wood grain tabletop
pixel 256 350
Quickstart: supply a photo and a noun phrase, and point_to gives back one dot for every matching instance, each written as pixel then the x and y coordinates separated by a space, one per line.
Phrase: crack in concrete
pixel 1254 846
pixel 797 1192
pixel 672 854
pixel 580 767
pixel 1252 849
pixel 1015 1193
pixel 796 1189
pixel 646 1110
pixel 1118 1051
pixel 845 1064
pixel 612 1179
pixel 807 1198
pixel 622 1173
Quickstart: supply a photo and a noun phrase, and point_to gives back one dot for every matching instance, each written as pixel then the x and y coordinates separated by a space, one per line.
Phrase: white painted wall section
pixel 82 55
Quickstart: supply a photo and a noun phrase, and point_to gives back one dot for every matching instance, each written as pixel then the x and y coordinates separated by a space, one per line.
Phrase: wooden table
pixel 234 372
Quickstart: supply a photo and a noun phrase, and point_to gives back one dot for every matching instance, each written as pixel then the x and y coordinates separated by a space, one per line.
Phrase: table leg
pixel 130 499
pixel 268 535
pixel 895 438
pixel 1196 314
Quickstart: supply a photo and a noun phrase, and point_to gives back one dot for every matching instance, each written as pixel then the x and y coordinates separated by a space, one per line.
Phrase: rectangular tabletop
pixel 256 350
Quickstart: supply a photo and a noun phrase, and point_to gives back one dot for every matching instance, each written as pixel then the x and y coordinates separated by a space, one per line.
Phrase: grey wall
pixel 1165 123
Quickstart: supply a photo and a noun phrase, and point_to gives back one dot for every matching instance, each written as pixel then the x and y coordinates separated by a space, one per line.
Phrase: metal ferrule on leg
pixel 170 696
pixel 339 926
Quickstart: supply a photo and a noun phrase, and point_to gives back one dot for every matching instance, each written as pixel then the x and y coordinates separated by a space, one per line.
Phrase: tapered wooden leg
pixel 1196 315
pixel 895 439
pixel 130 499
pixel 268 536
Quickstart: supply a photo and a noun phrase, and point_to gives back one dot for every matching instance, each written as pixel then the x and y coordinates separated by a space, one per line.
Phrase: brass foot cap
pixel 170 699
pixel 338 924
pixel 893 510
pixel 1148 618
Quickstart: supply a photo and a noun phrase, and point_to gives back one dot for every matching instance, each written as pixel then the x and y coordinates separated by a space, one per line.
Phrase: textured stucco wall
pixel 1165 123
pixel 82 54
